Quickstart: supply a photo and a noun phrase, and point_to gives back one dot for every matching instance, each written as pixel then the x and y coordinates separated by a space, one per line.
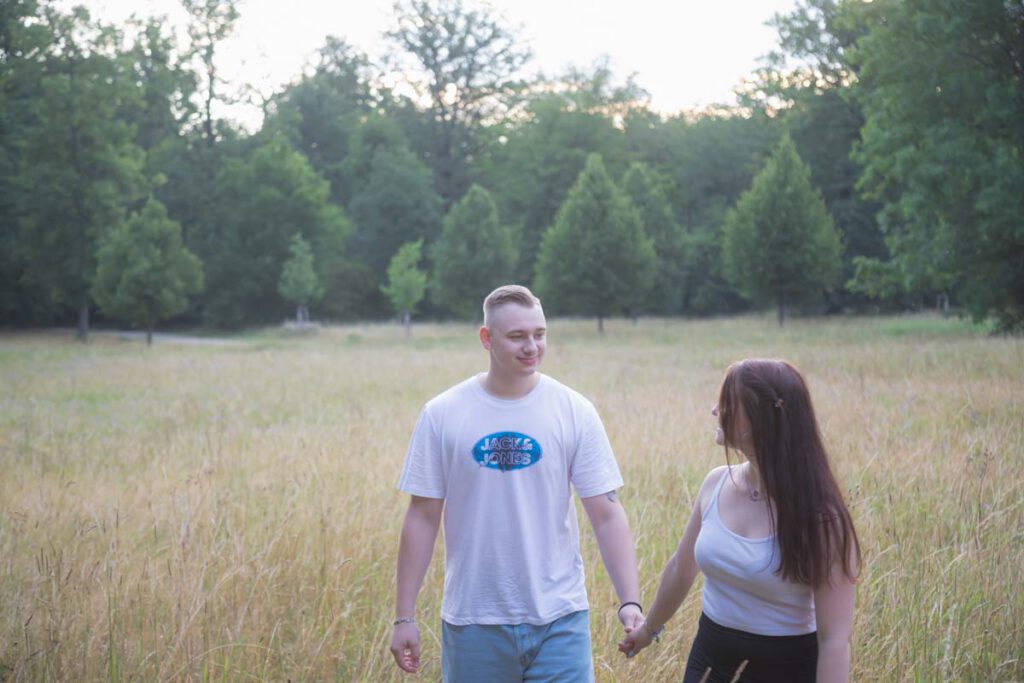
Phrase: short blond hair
pixel 508 294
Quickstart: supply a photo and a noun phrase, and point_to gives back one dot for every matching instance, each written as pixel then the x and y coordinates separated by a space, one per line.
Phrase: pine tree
pixel 779 241
pixel 596 259
pixel 474 255
pixel 144 274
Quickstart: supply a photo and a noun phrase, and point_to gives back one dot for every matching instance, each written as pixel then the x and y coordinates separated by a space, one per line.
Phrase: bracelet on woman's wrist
pixel 655 635
pixel 404 620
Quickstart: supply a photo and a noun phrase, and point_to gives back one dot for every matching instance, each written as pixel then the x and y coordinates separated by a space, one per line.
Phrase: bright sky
pixel 686 53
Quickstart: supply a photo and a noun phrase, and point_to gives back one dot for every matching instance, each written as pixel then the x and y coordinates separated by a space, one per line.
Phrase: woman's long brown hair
pixel 810 521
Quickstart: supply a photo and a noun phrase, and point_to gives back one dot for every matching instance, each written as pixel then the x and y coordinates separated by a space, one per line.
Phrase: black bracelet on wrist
pixel 637 604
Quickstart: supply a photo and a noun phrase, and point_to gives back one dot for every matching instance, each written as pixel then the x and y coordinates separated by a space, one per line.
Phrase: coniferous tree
pixel 144 273
pixel 474 254
pixel 780 244
pixel 596 259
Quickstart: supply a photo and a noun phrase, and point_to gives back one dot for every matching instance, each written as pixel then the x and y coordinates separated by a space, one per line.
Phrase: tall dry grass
pixel 229 513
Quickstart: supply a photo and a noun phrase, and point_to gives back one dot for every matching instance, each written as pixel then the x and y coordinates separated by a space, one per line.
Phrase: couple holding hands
pixel 496 458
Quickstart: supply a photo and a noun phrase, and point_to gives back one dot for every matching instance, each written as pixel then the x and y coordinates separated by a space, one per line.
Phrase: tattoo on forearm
pixel 612 497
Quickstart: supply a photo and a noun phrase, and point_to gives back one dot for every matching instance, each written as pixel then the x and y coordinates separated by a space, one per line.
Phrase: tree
pixel 210 23
pixel 406 282
pixel 779 241
pixel 468 63
pixel 397 204
pixel 262 200
pixel 942 88
pixel 144 273
pixel 668 237
pixel 299 283
pixel 321 113
pixel 474 254
pixel 164 81
pixel 78 169
pixel 809 80
pixel 708 161
pixel 596 259
pixel 543 151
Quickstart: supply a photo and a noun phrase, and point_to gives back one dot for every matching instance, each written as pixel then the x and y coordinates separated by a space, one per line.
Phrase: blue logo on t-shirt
pixel 507 451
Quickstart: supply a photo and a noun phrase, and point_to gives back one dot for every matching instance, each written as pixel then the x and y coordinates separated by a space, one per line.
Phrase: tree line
pixel 874 161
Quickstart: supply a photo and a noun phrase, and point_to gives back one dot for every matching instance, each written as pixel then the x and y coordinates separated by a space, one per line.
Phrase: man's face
pixel 516 337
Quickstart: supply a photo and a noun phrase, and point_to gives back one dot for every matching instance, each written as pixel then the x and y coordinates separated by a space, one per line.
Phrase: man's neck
pixel 509 387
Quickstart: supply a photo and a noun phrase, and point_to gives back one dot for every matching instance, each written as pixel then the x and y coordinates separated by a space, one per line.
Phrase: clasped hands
pixel 638 636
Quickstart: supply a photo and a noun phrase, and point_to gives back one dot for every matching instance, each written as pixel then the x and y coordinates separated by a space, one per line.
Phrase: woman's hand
pixel 636 639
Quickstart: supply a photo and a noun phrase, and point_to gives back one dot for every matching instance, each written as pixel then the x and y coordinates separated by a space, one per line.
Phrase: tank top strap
pixel 713 503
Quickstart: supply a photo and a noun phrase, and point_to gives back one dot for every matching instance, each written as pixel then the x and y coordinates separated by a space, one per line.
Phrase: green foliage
pixel 596 259
pixel 299 283
pixel 943 96
pixel 261 202
pixel 669 239
pixel 144 273
pixel 475 254
pixel 76 166
pixel 542 155
pixel 166 86
pixel 321 113
pixel 469 64
pixel 707 162
pixel 780 244
pixel 406 283
pixel 210 23
pixel 398 204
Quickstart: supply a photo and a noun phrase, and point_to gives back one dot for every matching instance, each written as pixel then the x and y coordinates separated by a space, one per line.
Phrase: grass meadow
pixel 229 512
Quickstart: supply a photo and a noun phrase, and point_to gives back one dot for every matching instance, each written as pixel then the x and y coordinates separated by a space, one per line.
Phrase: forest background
pixel 872 164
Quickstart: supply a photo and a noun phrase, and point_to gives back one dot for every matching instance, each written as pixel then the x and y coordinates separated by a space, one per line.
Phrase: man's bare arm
pixel 615 540
pixel 419 532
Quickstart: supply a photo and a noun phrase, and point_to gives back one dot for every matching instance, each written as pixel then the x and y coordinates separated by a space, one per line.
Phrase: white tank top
pixel 741 589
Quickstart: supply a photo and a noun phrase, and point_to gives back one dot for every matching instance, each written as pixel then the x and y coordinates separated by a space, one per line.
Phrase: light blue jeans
pixel 558 652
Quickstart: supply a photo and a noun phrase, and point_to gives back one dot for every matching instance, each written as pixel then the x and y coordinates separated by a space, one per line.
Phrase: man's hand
pixel 405 647
pixel 631 617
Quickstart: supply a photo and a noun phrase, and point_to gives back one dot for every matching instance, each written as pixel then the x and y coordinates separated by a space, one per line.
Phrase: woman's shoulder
pixel 707 488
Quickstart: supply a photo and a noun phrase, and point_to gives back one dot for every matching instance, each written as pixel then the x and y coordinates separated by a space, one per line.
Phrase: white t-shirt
pixel 505 469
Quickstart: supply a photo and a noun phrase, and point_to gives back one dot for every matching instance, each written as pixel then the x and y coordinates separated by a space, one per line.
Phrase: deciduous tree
pixel 406 283
pixel 144 273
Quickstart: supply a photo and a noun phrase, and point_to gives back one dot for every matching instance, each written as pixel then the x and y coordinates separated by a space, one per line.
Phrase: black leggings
pixel 769 659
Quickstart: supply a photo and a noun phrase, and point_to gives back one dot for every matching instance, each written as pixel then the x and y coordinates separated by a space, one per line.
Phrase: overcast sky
pixel 686 54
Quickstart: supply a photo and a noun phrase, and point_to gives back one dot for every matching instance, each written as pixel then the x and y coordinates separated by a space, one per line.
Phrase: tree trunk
pixel 149 334
pixel 600 324
pixel 407 323
pixel 782 310
pixel 82 334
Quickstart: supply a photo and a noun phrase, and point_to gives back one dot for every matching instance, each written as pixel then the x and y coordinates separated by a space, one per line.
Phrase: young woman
pixel 774 540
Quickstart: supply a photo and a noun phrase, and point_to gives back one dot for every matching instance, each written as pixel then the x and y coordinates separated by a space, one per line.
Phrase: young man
pixel 498 456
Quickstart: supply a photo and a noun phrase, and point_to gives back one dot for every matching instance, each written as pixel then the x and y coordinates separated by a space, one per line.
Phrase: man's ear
pixel 485 337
